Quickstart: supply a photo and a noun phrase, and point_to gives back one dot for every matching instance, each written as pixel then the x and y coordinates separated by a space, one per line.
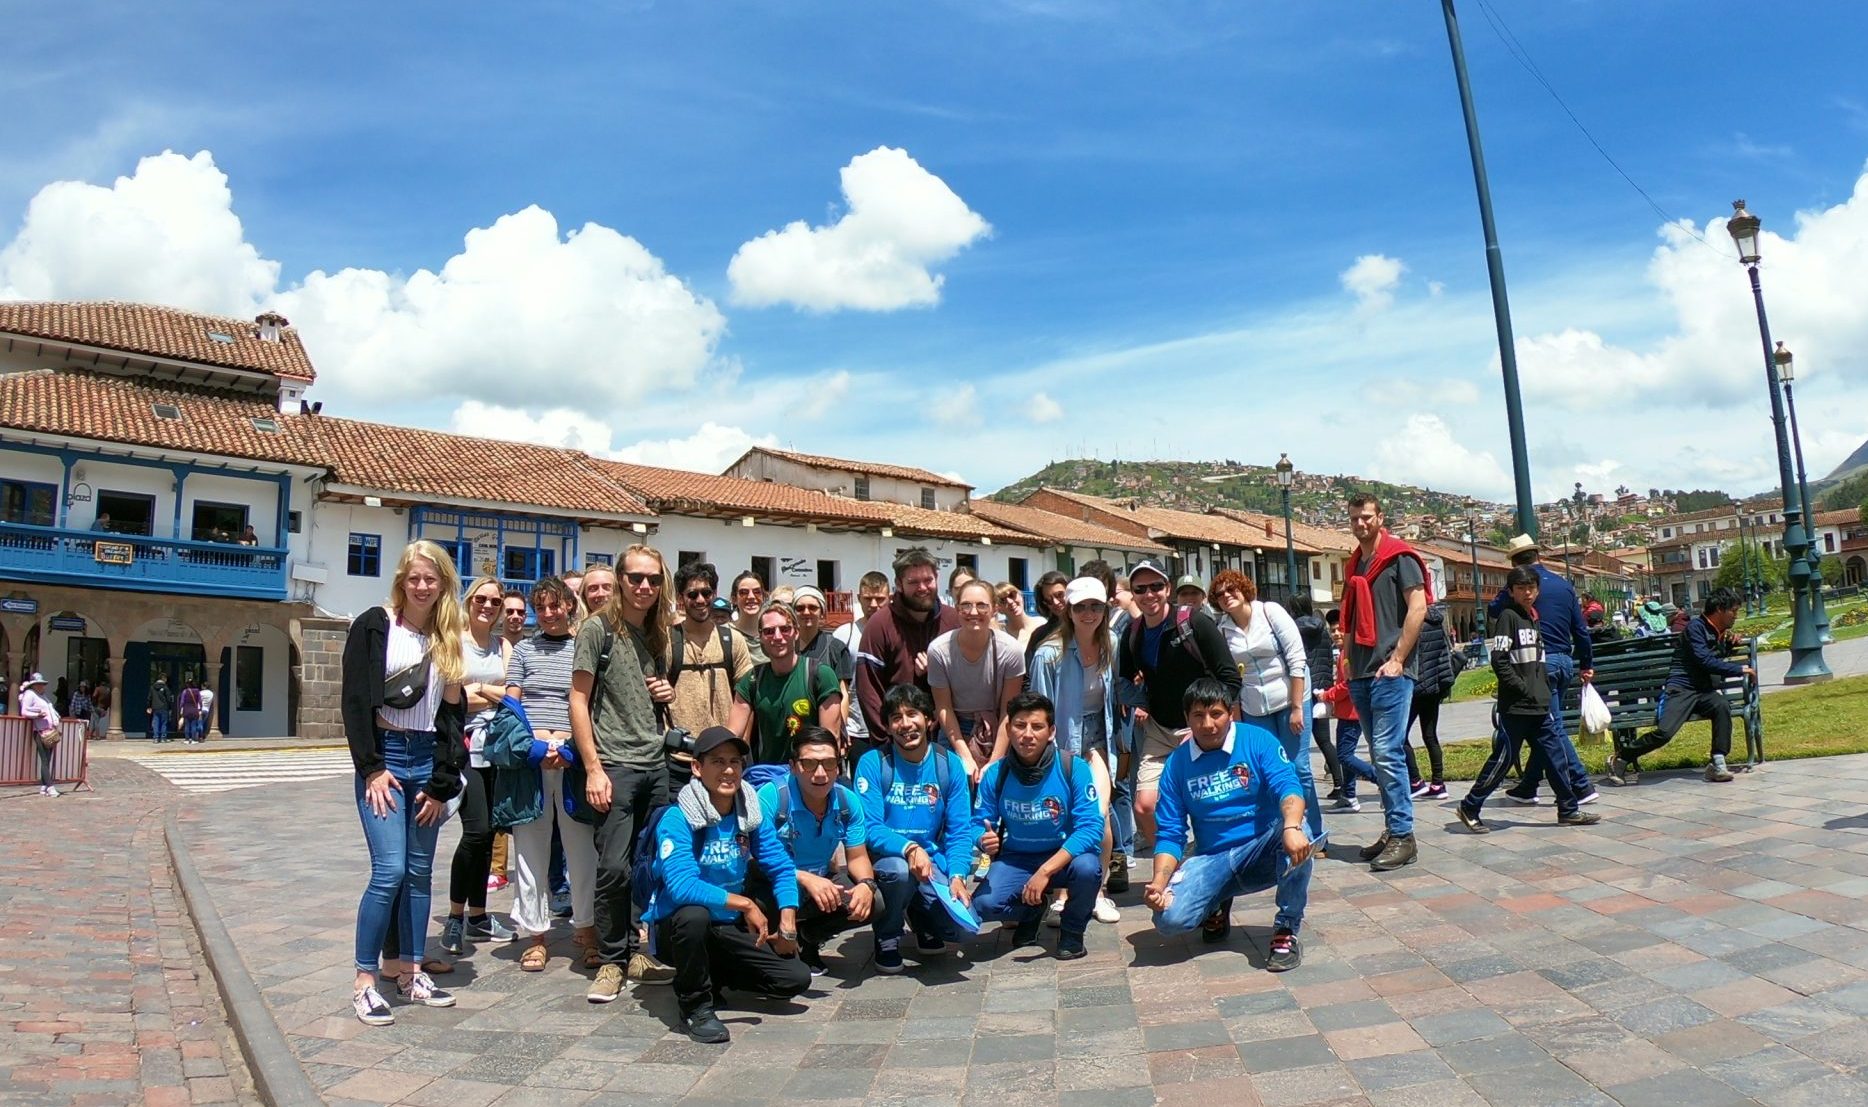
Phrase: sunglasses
pixel 781 631
pixel 487 601
pixel 637 580
pixel 750 592
pixel 975 609
pixel 810 765
pixel 1153 586
pixel 1090 607
pixel 699 593
pixel 807 609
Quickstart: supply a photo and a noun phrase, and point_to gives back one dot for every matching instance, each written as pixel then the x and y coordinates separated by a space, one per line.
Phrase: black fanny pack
pixel 405 687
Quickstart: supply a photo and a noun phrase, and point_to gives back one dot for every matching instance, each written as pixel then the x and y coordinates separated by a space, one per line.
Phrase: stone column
pixel 214 682
pixel 116 692
pixel 321 664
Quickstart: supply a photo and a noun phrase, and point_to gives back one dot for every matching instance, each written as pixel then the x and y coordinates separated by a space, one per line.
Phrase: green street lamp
pixel 1786 373
pixel 1806 643
pixel 1287 476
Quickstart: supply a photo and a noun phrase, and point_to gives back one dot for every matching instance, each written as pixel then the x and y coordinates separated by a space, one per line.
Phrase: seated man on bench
pixel 1234 788
pixel 1692 691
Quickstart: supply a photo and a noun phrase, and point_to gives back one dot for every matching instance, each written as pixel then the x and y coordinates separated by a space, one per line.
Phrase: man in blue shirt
pixel 1233 787
pixel 1692 691
pixel 1569 656
pixel 919 823
pixel 708 928
pixel 1043 828
pixel 814 814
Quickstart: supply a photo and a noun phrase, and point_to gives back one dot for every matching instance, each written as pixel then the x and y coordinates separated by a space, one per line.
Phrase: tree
pixel 1731 572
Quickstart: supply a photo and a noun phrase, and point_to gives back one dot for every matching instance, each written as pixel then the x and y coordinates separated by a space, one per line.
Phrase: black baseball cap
pixel 716 736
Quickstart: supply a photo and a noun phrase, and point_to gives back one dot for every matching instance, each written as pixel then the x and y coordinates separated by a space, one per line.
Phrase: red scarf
pixel 1358 615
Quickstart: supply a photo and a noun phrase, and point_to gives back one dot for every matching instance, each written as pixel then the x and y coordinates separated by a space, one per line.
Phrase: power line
pixel 1523 58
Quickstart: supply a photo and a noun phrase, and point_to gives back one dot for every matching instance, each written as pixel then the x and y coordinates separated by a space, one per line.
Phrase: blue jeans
pixel 1383 703
pixel 1205 880
pixel 402 853
pixel 159 725
pixel 1561 669
pixel 903 898
pixel 1515 731
pixel 997 898
pixel 1348 733
pixel 1297 749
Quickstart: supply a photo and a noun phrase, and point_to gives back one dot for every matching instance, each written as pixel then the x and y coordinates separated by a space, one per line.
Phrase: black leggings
pixel 1320 733
pixel 473 856
pixel 1427 709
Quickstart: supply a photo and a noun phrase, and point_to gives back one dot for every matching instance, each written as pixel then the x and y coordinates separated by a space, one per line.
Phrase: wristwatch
pixel 788 935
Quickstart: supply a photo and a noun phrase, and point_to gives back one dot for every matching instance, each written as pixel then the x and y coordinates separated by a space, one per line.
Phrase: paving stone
pixel 1675 1088
pixel 1286 1053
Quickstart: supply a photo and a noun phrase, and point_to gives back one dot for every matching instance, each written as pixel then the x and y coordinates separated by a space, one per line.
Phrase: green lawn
pixel 1820 720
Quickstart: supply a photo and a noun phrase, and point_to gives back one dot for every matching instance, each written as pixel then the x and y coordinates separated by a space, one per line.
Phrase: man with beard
pixel 705 661
pixel 894 648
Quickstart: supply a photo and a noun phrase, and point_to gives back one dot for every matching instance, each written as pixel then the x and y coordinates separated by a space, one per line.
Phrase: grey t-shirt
pixel 541 669
pixel 976 685
pixel 623 714
pixel 1389 590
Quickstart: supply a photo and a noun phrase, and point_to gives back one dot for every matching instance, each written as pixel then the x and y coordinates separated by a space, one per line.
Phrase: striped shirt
pixel 406 647
pixel 541 668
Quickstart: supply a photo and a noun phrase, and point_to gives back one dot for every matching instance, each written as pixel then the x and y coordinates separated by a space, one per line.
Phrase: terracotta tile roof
pixel 400 460
pixel 1170 523
pixel 1460 553
pixel 1839 518
pixel 1304 539
pixel 161 332
pixel 872 468
pixel 683 491
pixel 951 524
pixel 1059 528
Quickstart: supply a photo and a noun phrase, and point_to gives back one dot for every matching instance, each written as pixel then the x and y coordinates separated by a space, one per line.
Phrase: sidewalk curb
pixel 277 1075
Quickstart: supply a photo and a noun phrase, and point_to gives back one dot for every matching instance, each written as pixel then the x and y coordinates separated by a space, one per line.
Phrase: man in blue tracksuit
pixel 1568 657
pixel 713 933
pixel 1234 788
pixel 918 815
pixel 1043 828
pixel 814 814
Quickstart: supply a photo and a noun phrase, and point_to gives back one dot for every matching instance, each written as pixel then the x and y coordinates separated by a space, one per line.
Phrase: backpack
pixel 678 648
pixel 942 774
pixel 782 817
pixel 642 872
pixel 1070 777
pixel 1183 629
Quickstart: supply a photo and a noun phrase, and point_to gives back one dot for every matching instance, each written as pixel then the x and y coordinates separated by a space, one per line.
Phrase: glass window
pixel 927 498
pixel 128 512
pixel 218 522
pixel 862 488
pixel 524 563
pixel 28 502
pixel 598 559
pixel 366 555
pixel 249 673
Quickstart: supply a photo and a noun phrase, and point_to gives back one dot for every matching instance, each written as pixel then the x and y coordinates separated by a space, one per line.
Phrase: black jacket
pixel 366 652
pixel 1697 663
pixel 1176 666
pixel 1319 651
pixel 1433 656
pixel 1518 659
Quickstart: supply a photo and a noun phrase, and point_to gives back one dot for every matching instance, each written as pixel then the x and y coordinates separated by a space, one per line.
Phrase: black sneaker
pixel 1400 852
pixel 371 1008
pixel 1374 849
pixel 704 1026
pixel 1070 947
pixel 813 958
pixel 930 945
pixel 420 989
pixel 1026 932
pixel 889 956
pixel 1217 927
pixel 1286 952
pixel 1473 823
pixel 1579 818
pixel 1118 881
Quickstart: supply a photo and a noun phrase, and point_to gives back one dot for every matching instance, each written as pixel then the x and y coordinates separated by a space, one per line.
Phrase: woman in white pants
pixel 540 676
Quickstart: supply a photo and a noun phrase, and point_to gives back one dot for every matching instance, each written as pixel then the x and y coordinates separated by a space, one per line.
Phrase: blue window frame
pixel 366 555
pixel 28 502
pixel 462 552
pixel 528 563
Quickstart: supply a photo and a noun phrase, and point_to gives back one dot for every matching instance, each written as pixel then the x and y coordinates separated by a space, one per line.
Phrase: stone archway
pixel 166 651
pixel 1855 570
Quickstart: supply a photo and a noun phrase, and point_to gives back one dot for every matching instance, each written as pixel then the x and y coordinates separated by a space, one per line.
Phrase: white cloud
pixel 166 234
pixel 1044 409
pixel 708 450
pixel 553 427
pixel 1426 452
pixel 822 399
pixel 900 220
pixel 1372 280
pixel 955 407
pixel 1436 289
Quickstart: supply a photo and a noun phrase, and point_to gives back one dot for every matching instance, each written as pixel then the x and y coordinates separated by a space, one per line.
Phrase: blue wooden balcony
pixel 132 561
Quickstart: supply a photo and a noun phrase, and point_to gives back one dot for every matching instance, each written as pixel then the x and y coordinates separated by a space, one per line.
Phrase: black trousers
pixel 815 925
pixel 1326 745
pixel 1678 706
pixel 707 955
pixel 473 857
pixel 1427 710
pixel 1515 732
pixel 633 793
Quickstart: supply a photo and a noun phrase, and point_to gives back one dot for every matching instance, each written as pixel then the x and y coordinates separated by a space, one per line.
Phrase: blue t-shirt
pixel 811 840
pixel 704 872
pixel 1058 812
pixel 1230 795
pixel 915 810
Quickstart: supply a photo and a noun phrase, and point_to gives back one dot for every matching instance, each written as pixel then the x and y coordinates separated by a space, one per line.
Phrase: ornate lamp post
pixel 1786 373
pixel 1744 559
pixel 1478 600
pixel 1287 476
pixel 1806 643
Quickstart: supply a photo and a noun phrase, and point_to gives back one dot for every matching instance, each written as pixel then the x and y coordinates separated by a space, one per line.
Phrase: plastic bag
pixel 1594 712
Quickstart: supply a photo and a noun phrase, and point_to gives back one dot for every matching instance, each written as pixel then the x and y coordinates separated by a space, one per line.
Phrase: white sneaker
pixel 1054 917
pixel 1107 911
pixel 49 792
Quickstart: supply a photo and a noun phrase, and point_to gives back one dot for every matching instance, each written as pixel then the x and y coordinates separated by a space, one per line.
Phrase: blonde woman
pixel 1073 668
pixel 403 716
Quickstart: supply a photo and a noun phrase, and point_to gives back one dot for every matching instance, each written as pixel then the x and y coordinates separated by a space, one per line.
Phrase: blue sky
pixel 1174 198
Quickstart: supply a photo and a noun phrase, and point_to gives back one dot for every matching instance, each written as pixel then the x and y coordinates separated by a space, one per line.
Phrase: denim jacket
pixel 1057 673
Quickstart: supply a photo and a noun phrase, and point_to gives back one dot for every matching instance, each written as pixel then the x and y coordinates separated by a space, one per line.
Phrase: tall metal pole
pixel 1818 609
pixel 1495 269
pixel 1478 601
pixel 1290 545
pixel 1806 645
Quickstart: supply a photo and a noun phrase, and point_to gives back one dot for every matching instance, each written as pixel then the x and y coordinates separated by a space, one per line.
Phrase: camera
pixel 678 740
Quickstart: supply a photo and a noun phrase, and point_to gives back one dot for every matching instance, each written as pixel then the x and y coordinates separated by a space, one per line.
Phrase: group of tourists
pixel 731 783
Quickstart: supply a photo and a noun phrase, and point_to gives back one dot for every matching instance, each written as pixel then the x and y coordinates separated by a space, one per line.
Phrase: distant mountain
pixel 1851 465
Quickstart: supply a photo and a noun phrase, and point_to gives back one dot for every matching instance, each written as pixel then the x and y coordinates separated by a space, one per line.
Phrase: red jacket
pixel 886 656
pixel 1337 695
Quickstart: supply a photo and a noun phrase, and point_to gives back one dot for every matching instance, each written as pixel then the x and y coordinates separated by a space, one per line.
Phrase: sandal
pixel 586 940
pixel 437 966
pixel 534 958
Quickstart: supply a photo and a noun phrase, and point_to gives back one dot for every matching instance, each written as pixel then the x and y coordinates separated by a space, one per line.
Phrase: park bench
pixel 1630 674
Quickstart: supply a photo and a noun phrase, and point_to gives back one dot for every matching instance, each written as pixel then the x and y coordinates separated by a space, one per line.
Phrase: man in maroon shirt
pixel 895 640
